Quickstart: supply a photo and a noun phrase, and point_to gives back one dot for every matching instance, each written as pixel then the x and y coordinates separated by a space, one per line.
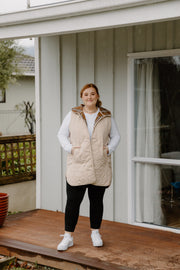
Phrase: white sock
pixel 67 234
pixel 94 231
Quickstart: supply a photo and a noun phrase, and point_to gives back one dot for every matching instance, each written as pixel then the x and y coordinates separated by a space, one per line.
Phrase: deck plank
pixel 125 246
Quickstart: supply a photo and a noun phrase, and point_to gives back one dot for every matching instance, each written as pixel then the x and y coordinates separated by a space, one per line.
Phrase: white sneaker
pixel 96 238
pixel 66 242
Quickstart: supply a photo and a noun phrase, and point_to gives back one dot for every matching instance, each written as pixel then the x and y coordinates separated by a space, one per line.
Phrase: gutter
pixel 72 9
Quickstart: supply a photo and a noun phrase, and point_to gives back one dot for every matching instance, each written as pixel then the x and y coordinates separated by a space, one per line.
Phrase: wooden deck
pixel 34 235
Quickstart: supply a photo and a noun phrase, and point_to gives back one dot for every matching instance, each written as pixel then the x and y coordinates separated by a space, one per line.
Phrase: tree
pixel 28 112
pixel 9 71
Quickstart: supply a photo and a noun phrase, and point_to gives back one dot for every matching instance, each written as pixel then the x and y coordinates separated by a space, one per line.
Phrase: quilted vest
pixel 89 163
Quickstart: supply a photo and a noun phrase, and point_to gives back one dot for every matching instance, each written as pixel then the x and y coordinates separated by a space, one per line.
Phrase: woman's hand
pixel 73 148
pixel 107 149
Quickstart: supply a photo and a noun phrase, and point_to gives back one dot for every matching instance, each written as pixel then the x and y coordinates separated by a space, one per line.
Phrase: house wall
pixel 11 122
pixel 22 196
pixel 67 63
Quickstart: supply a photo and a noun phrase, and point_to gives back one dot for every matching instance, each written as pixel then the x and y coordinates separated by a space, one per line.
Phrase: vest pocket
pixel 81 154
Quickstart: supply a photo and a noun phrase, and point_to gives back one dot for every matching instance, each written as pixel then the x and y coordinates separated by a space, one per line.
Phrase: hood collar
pixel 101 114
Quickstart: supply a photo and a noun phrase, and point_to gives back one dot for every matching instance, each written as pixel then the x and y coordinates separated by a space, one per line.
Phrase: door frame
pixel 132 160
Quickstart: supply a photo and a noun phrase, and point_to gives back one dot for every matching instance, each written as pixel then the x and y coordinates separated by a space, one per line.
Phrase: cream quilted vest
pixel 89 164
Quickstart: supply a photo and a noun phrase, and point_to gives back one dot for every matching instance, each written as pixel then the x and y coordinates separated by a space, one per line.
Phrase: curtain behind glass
pixel 148 177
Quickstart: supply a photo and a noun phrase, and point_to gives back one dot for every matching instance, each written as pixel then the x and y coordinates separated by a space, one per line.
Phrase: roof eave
pixel 65 10
pixel 82 16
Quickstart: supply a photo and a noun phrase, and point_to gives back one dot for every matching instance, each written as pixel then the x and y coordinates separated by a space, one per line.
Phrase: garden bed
pixel 7 263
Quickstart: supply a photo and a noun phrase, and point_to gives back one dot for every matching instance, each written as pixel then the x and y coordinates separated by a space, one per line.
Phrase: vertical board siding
pixel 176 37
pixel 120 114
pixel 140 38
pixel 85 74
pixel 85 48
pixel 104 66
pixel 170 35
pixel 104 79
pixel 148 34
pixel 160 36
pixel 101 57
pixel 68 73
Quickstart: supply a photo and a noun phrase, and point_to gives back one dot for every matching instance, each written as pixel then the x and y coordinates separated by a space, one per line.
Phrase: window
pixel 2 96
pixel 157 133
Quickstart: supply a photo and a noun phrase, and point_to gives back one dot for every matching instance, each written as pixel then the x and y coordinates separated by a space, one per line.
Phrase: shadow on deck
pixel 34 235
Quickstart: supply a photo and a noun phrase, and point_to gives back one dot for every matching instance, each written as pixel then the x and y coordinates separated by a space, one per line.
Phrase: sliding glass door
pixel 157 140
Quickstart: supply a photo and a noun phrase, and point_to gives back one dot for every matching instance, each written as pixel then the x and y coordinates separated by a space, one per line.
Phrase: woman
pixel 89 135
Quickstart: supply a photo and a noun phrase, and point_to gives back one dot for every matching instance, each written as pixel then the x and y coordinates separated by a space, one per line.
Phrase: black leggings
pixel 75 196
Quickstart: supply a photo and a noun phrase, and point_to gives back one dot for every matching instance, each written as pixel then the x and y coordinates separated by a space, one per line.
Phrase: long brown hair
pixel 88 85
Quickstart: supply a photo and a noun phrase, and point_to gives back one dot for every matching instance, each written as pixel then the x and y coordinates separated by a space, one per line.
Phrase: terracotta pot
pixel 3 207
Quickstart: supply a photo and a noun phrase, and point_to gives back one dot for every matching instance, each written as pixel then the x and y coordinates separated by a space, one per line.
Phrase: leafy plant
pixel 9 71
pixel 14 264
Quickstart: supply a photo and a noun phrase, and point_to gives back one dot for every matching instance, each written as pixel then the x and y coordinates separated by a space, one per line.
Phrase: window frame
pixel 132 159
pixel 3 93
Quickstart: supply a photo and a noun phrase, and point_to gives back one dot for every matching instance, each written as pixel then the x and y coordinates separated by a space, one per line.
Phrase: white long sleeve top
pixel 63 133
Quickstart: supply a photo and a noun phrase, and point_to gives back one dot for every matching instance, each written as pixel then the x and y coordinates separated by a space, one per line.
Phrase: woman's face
pixel 90 97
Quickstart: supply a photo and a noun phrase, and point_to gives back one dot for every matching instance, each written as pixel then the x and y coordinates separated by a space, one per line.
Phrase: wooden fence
pixel 17 159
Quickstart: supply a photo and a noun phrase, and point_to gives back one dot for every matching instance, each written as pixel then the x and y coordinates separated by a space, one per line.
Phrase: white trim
pixel 131 159
pixel 130 139
pixel 25 74
pixel 38 123
pixel 157 227
pixel 153 54
pixel 86 16
pixel 160 161
pixel 28 74
pixel 73 8
pixel 62 2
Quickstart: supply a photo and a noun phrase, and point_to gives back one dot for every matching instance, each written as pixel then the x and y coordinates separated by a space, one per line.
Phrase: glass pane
pixel 158 194
pixel 157 107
